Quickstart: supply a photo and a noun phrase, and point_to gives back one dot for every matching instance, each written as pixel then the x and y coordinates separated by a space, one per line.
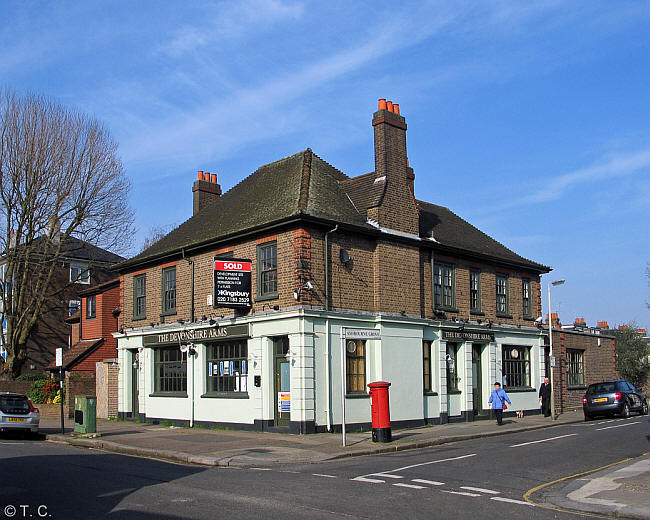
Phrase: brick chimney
pixel 555 319
pixel 397 209
pixel 603 325
pixel 205 190
pixel 580 322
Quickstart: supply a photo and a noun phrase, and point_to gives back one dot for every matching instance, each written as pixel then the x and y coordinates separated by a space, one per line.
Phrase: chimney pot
pixel 396 108
pixel 389 106
pixel 382 104
pixel 200 175
pixel 206 176
pixel 213 178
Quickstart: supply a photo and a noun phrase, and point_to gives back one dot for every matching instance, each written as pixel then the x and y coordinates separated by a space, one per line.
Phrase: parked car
pixel 18 413
pixel 613 397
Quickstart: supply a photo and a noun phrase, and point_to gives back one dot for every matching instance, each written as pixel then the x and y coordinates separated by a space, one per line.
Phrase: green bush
pixel 32 376
pixel 44 389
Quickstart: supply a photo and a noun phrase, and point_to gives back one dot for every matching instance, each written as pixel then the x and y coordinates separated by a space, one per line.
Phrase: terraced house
pixel 236 317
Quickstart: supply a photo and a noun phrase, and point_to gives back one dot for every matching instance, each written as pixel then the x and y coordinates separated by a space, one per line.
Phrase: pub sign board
pixel 467 335
pixel 232 282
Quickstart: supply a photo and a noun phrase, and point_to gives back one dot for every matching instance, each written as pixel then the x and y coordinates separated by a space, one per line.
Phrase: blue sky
pixel 529 119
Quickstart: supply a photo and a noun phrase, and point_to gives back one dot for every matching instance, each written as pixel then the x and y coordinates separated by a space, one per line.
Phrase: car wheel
pixel 626 410
pixel 644 408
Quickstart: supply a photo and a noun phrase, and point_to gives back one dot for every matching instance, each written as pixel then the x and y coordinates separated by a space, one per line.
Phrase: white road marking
pixel 371 480
pixel 465 494
pixel 618 425
pixel 322 475
pixel 260 469
pixel 430 462
pixel 385 475
pixel 12 443
pixel 543 440
pixel 480 490
pixel 411 486
pixel 429 482
pixel 511 501
pixel 118 492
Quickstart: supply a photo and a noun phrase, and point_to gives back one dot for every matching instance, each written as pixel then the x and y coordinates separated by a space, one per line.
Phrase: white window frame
pixel 84 275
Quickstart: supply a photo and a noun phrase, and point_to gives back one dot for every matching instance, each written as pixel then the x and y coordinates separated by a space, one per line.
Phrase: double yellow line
pixel 531 491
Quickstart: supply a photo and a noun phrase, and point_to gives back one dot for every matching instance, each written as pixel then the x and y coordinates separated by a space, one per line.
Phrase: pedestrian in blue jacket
pixel 497 400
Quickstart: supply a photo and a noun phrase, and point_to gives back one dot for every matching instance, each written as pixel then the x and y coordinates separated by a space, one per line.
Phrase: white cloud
pixel 232 19
pixel 607 168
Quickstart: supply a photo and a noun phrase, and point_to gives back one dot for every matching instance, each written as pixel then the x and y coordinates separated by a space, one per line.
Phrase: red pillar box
pixel 380 411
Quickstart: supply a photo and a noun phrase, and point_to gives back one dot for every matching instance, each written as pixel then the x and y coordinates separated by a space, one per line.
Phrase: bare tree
pixel 154 235
pixel 60 179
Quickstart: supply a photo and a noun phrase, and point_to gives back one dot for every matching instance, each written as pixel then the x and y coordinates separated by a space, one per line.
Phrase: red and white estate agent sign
pixel 232 282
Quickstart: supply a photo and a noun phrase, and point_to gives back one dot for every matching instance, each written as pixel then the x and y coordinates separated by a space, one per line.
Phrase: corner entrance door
pixel 477 395
pixel 135 404
pixel 281 378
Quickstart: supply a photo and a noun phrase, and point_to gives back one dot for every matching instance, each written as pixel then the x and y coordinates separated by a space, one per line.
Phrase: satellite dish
pixel 344 256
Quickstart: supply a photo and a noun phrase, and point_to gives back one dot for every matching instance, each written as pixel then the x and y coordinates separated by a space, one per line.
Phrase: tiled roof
pixel 100 287
pixel 77 352
pixel 448 229
pixel 305 185
pixel 76 249
pixel 301 184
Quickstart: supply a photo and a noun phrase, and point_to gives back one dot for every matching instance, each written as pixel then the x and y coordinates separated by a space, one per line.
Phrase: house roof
pixel 77 352
pixel 100 287
pixel 304 185
pixel 448 229
pixel 301 184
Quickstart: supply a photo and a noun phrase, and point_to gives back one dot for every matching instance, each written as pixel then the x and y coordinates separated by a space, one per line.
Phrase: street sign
pixel 59 357
pixel 362 334
pixel 551 361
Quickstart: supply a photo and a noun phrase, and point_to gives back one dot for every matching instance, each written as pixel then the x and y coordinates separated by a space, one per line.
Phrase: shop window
pixel 170 371
pixel 355 366
pixel 475 290
pixel 575 367
pixel 527 308
pixel 443 286
pixel 451 362
pixel 79 273
pixel 139 297
pixel 267 268
pixel 502 295
pixel 227 367
pixel 516 366
pixel 426 367
pixel 91 307
pixel 169 290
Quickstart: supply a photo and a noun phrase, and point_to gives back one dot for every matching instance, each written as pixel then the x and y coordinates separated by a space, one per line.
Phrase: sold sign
pixel 229 265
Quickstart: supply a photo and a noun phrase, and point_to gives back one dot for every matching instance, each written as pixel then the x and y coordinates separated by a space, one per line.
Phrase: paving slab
pixel 621 490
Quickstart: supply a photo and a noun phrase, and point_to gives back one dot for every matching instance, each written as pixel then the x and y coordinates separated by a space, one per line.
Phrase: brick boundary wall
pixel 84 385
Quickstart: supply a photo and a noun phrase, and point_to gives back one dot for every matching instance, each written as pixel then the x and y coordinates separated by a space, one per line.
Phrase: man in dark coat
pixel 545 397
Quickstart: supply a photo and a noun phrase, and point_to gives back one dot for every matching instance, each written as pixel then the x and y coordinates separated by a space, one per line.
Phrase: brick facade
pixel 599 364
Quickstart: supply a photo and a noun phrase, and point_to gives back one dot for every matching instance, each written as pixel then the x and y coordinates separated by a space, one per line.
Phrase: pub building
pixel 244 315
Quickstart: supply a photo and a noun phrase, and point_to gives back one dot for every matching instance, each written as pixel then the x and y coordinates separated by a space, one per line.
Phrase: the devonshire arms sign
pixel 467 335
pixel 195 335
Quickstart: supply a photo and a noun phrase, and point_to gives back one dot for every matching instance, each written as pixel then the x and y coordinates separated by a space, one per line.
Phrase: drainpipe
pixel 327 268
pixel 191 262
pixel 328 364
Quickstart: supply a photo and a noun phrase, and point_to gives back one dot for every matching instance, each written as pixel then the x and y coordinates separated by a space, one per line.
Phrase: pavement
pixel 248 448
pixel 621 490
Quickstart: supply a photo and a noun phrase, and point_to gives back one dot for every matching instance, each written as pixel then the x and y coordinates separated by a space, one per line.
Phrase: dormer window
pixel 79 273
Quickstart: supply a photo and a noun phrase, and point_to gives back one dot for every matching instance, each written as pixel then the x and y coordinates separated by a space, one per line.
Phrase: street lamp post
pixel 550 340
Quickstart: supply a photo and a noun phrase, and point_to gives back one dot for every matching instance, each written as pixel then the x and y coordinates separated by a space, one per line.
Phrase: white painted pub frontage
pixel 282 370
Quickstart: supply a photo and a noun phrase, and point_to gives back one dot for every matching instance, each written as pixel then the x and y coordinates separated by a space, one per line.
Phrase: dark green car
pixel 613 397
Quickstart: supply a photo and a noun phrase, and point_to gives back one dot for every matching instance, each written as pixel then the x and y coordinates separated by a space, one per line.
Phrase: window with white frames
pixel 79 273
